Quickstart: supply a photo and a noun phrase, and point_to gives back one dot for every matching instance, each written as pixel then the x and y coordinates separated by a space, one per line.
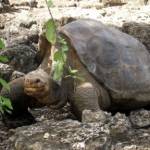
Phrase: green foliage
pixel 3 59
pixel 74 74
pixel 60 56
pixel 49 3
pixel 4 84
pixel 2 45
pixel 58 72
pixel 50 31
pixel 5 103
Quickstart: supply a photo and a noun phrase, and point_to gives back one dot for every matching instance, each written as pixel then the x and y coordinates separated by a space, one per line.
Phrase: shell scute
pixel 114 58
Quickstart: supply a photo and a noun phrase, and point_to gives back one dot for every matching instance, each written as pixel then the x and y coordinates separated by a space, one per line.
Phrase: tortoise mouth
pixel 34 83
pixel 42 92
pixel 35 87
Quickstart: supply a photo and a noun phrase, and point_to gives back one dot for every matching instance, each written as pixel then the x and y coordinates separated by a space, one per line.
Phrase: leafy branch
pixel 5 103
pixel 60 56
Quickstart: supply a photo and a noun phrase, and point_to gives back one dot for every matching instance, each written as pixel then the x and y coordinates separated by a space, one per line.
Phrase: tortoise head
pixel 39 84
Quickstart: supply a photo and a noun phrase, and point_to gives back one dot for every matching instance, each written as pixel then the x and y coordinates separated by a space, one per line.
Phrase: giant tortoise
pixel 115 67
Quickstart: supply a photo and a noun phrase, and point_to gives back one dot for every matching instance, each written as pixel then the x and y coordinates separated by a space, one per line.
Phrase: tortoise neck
pixel 75 62
pixel 44 54
pixel 45 63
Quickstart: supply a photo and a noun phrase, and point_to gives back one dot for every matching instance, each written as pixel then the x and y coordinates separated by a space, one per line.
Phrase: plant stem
pixel 50 14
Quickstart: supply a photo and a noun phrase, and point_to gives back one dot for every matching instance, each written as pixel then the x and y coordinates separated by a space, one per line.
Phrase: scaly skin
pixel 82 95
pixel 87 94
pixel 36 84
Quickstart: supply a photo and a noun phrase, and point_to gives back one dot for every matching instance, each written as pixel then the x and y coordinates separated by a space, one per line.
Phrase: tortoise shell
pixel 117 60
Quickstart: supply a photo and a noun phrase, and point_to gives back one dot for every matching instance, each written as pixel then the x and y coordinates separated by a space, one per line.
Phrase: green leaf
pixel 50 31
pixel 2 45
pixel 6 103
pixel 8 111
pixel 3 59
pixel 58 72
pixel 62 40
pixel 1 109
pixel 65 48
pixel 4 84
pixel 58 56
pixel 49 3
pixel 73 71
pixel 78 77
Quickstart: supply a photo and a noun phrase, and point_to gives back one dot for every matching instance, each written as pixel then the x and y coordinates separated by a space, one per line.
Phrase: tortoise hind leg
pixel 20 102
pixel 88 96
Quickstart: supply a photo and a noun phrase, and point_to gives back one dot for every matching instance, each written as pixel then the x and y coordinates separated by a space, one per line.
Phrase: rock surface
pixel 21 46
pixel 59 129
pixel 18 56
pixel 115 133
pixel 4 5
pixel 6 71
pixel 139 30
pixel 140 118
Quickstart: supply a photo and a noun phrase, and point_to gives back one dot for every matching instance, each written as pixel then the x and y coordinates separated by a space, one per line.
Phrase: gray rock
pixel 99 116
pixel 141 31
pixel 5 2
pixel 119 124
pixel 27 3
pixel 67 134
pixel 28 24
pixel 6 71
pixel 140 118
pixel 2 26
pixel 4 5
pixel 138 2
pixel 16 74
pixel 33 3
pixel 113 2
pixel 21 57
pixel 120 2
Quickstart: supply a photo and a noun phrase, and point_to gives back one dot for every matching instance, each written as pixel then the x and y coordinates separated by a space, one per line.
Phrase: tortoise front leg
pixel 89 96
pixel 84 97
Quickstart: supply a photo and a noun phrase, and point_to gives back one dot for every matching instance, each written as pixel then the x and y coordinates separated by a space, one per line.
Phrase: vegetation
pixel 5 103
pixel 60 56
pixel 59 59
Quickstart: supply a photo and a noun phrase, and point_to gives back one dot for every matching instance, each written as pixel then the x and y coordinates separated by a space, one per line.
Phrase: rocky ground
pixel 20 24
